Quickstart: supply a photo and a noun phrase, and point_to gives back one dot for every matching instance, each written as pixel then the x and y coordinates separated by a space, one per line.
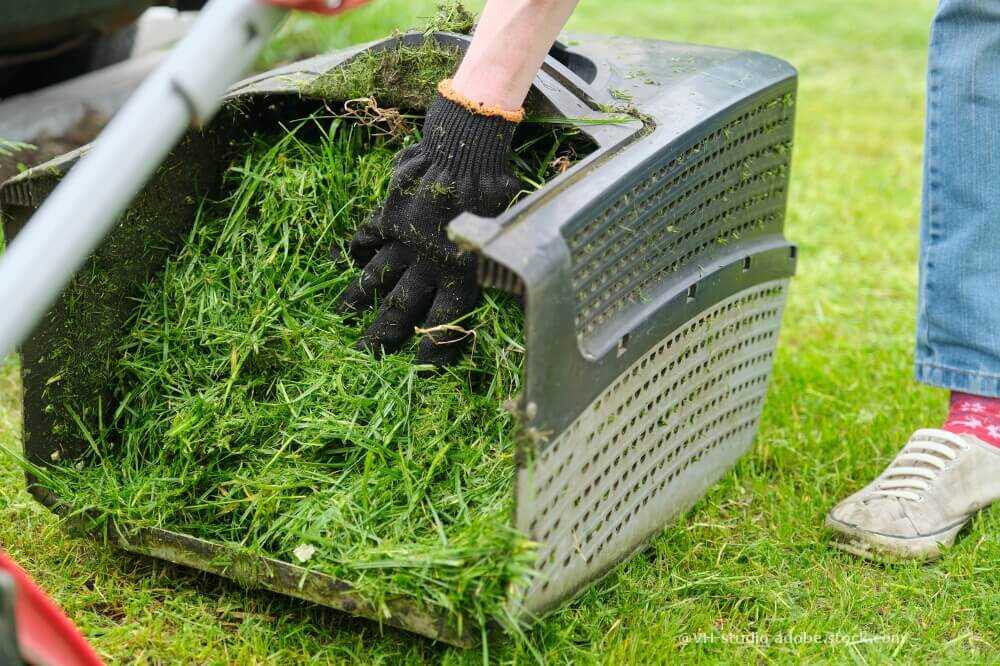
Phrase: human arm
pixel 510 43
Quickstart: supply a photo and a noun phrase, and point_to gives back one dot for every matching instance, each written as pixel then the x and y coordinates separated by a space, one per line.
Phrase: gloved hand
pixel 461 164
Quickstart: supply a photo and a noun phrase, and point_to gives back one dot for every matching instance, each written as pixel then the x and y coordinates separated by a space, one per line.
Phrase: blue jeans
pixel 958 327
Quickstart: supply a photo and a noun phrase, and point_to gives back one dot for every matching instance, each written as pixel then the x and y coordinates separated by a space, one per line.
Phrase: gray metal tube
pixel 186 89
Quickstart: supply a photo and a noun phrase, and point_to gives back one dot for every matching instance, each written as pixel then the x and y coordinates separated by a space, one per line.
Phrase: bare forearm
pixel 509 45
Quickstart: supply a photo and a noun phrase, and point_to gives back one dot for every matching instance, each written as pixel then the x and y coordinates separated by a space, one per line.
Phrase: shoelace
pixel 927 453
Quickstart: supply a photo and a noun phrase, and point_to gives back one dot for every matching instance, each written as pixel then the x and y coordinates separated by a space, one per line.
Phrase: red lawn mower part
pixel 328 7
pixel 44 635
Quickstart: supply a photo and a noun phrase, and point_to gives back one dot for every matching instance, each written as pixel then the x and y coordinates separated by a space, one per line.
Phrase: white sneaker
pixel 921 501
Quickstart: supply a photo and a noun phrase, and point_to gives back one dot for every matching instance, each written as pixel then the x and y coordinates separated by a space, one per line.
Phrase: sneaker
pixel 921 501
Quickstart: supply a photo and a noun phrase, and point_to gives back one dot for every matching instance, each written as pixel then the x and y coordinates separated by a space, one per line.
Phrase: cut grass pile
pixel 404 76
pixel 247 417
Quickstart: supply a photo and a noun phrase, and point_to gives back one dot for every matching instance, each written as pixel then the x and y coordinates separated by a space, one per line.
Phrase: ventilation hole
pixel 692 292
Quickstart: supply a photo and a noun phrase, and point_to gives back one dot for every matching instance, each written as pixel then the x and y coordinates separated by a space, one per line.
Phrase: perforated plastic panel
pixel 650 444
pixel 727 186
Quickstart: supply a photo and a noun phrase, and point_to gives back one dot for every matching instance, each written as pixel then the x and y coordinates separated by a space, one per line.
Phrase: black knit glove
pixel 461 164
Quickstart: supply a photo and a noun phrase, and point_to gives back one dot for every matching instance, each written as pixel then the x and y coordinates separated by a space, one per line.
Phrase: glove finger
pixel 400 312
pixel 377 277
pixel 339 257
pixel 365 244
pixel 444 346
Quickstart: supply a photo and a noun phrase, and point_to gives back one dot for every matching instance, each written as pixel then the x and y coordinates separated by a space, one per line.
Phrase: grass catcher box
pixel 653 273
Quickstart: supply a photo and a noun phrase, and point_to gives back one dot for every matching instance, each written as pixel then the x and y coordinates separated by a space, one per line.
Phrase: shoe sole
pixel 885 548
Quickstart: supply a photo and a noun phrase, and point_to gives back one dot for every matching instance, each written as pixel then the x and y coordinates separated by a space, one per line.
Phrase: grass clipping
pixel 399 75
pixel 247 417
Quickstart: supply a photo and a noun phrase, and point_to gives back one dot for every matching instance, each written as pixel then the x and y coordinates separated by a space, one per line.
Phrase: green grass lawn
pixel 752 556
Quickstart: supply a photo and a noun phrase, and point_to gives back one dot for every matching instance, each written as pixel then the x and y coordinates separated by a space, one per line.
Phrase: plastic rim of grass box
pixel 654 274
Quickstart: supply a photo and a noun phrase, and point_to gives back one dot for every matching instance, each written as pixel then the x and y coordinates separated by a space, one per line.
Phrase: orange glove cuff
pixel 448 91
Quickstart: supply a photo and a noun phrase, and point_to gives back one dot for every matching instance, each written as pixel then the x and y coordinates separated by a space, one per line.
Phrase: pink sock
pixel 974 415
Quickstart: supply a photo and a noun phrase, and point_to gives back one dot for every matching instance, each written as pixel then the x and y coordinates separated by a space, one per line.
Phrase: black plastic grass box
pixel 653 273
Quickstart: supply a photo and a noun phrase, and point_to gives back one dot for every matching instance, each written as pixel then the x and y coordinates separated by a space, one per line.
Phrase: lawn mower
pixel 653 273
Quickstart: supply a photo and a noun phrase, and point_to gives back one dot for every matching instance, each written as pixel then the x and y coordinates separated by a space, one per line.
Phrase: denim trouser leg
pixel 958 327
